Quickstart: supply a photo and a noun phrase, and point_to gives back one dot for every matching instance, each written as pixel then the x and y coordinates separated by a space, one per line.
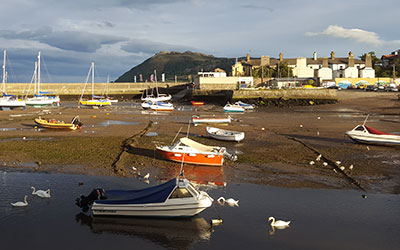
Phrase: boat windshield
pixel 180 192
pixel 359 128
pixel 193 190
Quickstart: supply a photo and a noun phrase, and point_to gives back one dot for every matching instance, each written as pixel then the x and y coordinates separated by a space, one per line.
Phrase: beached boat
pixel 175 198
pixel 210 120
pixel 56 124
pixel 224 135
pixel 161 106
pixel 197 103
pixel 189 151
pixel 40 98
pixel 246 106
pixel 9 101
pixel 96 101
pixel 233 108
pixel 368 135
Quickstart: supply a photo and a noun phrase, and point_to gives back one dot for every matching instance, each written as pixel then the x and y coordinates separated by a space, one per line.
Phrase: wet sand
pixel 277 149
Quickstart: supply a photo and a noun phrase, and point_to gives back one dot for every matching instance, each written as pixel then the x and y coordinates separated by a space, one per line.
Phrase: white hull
pixel 374 139
pixel 233 108
pixel 179 209
pixel 196 121
pixel 42 101
pixel 361 134
pixel 225 135
pixel 11 103
pixel 244 105
pixel 157 99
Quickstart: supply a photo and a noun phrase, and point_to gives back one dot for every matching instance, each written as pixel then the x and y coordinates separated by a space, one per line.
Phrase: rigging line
pixel 176 135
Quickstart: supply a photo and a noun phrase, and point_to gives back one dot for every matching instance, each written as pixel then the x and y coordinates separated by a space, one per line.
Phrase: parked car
pixel 371 88
pixel 381 87
pixel 392 87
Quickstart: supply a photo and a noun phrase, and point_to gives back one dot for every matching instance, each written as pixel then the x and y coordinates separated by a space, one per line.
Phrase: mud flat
pixel 280 142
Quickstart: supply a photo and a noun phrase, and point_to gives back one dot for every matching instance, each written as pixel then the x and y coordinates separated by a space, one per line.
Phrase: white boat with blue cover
pixel 246 106
pixel 175 198
pixel 233 108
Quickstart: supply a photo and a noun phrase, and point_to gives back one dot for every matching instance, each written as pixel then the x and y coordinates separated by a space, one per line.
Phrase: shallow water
pixel 321 219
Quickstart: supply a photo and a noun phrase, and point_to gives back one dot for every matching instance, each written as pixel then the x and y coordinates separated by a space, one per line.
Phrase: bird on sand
pixel 312 163
pixel 325 164
pixel 351 167
pixel 134 169
pixel 146 177
pixel 318 157
pixel 278 223
pixel 338 162
pixel 342 168
pixel 20 203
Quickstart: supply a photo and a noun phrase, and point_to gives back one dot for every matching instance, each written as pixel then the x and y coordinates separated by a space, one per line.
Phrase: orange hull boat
pixel 192 158
pixel 197 103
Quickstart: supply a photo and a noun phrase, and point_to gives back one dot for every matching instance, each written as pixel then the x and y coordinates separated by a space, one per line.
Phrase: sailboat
pixel 41 98
pixel 112 100
pixel 9 101
pixel 96 101
pixel 155 98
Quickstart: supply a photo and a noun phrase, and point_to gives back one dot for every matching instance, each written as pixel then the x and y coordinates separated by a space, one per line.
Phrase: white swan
pixel 279 223
pixel 41 193
pixel 230 201
pixel 20 203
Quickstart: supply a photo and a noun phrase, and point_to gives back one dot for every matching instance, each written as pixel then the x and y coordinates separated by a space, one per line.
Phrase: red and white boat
pixel 368 135
pixel 197 120
pixel 192 152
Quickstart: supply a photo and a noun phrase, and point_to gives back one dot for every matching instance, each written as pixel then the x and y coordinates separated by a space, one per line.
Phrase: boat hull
pixel 224 135
pixel 92 103
pixel 197 121
pixel 61 126
pixel 151 210
pixel 193 158
pixel 373 139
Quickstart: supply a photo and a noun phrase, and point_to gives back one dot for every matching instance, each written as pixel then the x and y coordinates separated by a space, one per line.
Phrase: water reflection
pixel 171 233
pixel 114 122
pixel 201 175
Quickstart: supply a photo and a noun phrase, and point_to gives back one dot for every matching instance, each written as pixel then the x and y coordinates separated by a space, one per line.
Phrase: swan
pixel 41 193
pixel 20 203
pixel 230 201
pixel 278 223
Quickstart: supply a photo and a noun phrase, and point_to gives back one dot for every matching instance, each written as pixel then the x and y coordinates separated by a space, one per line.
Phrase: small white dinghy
pixel 224 135
pixel 233 108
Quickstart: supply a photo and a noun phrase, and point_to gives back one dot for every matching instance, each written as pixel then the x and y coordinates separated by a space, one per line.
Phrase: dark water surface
pixel 321 219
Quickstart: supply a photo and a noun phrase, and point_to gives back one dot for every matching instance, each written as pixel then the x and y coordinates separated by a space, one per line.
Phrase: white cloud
pixel 358 35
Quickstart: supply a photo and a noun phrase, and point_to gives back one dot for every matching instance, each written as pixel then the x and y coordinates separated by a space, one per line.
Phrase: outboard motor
pixel 85 201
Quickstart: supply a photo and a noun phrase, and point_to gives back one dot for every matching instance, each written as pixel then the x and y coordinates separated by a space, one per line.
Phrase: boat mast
pixel 155 78
pixel 4 73
pixel 92 66
pixel 38 74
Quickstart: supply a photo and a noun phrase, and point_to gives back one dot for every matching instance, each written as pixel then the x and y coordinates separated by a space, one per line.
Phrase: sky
pixel 120 34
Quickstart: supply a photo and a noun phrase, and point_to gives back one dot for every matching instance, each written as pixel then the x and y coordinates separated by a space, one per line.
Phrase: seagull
pixel 367 148
pixel 318 117
pixel 342 168
pixel 41 193
pixel 325 164
pixel 230 201
pixel 278 223
pixel 318 157
pixel 317 132
pixel 351 167
pixel 134 169
pixel 301 125
pixel 146 177
pixel 334 170
pixel 338 162
pixel 312 163
pixel 20 203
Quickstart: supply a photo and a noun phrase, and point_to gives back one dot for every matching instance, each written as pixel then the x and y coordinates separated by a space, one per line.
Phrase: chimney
pixel 248 57
pixel 325 62
pixel 265 61
pixel 280 57
pixel 351 60
pixel 315 56
pixel 332 55
pixel 368 61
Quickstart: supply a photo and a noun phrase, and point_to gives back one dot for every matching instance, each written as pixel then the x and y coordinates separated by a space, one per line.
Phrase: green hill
pixel 175 63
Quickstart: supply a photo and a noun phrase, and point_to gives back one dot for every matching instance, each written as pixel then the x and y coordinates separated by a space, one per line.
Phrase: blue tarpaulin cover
pixel 156 194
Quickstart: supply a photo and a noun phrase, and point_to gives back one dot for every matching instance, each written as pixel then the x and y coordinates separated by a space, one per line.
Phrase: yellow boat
pixel 55 124
pixel 95 102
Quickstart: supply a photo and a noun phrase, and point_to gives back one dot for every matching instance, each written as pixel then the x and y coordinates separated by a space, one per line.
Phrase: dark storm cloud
pixel 66 40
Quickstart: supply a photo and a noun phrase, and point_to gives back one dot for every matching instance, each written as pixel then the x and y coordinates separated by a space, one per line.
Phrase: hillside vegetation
pixel 175 63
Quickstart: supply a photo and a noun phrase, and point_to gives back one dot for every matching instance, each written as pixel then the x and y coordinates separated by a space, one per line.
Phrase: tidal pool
pixel 320 218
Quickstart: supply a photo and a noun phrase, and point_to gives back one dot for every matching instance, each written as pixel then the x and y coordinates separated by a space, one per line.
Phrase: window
pixel 359 128
pixel 180 193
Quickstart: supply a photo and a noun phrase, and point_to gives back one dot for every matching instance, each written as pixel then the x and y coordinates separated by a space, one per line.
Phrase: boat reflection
pixel 170 233
pixel 202 175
